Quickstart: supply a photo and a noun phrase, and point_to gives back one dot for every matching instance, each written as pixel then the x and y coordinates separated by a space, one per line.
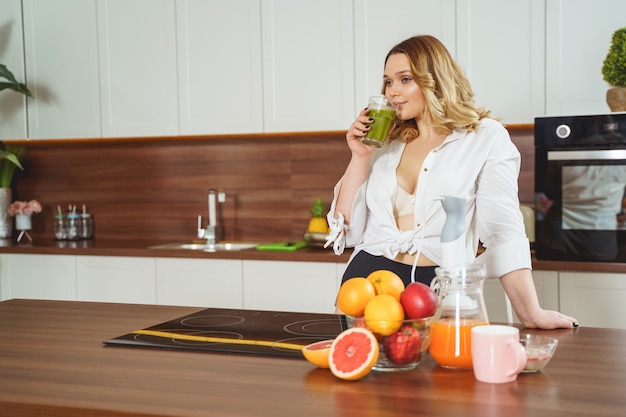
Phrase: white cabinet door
pixel 578 37
pixel 290 286
pixel 546 283
pixel 379 25
pixel 47 277
pixel 219 68
pixel 501 49
pixel 200 282
pixel 119 279
pixel 12 105
pixel 138 65
pixel 308 64
pixel 61 48
pixel 595 299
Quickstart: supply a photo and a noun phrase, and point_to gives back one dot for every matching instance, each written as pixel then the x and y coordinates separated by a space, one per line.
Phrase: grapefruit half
pixel 353 353
pixel 317 353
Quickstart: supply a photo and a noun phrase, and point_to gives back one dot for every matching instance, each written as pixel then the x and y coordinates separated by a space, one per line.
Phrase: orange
pixel 354 294
pixel 353 354
pixel 386 282
pixel 384 314
pixel 318 353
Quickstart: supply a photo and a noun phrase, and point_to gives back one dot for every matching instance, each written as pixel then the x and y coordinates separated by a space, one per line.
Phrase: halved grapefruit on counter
pixel 353 354
pixel 318 353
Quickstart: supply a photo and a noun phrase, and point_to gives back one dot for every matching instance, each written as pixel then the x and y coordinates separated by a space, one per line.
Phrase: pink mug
pixel 497 354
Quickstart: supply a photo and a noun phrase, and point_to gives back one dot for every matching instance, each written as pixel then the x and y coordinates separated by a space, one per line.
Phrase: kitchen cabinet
pixel 121 279
pixel 546 283
pixel 578 37
pixel 61 51
pixel 596 299
pixel 199 282
pixel 13 123
pixel 290 286
pixel 219 66
pixel 49 277
pixel 137 52
pixel 379 25
pixel 500 46
pixel 113 68
pixel 308 65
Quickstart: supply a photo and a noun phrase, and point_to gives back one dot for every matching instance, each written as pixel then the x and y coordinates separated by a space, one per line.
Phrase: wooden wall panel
pixel 154 188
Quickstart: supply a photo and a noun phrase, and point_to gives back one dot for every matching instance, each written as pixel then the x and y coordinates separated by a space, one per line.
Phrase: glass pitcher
pixel 461 307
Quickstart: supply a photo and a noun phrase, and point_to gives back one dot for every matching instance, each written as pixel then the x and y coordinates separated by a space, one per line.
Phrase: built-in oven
pixel 580 185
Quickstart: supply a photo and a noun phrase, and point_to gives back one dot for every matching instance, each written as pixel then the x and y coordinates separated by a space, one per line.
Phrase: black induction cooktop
pixel 261 332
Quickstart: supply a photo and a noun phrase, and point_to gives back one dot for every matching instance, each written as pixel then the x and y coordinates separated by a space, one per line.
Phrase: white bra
pixel 404 204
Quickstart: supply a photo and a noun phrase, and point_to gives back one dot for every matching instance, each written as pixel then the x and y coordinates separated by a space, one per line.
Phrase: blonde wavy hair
pixel 447 92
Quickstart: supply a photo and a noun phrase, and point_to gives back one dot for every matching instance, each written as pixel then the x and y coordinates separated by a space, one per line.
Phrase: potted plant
pixel 9 156
pixel 614 71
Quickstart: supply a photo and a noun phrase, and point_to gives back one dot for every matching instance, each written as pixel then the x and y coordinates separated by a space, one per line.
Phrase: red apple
pixel 418 301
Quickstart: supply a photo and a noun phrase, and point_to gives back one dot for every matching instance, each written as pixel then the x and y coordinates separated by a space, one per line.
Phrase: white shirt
pixel 481 166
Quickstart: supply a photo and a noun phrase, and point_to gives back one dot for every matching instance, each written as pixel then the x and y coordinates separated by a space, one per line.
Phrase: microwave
pixel 580 188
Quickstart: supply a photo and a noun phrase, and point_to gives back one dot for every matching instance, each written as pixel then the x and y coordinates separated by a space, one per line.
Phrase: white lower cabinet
pixel 49 277
pixel 199 282
pixel 595 299
pixel 290 286
pixel 546 283
pixel 120 279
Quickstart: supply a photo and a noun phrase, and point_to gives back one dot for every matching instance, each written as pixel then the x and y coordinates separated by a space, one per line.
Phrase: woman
pixel 387 204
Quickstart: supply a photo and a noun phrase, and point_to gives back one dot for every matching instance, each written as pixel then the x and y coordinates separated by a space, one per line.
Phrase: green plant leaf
pixel 12 83
pixel 11 157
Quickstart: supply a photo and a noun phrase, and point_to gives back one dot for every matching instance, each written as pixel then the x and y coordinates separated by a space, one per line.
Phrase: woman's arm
pixel 358 169
pixel 520 288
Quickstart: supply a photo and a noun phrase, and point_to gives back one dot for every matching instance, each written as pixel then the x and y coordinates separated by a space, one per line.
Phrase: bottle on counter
pixel 73 225
pixel 86 220
pixel 60 227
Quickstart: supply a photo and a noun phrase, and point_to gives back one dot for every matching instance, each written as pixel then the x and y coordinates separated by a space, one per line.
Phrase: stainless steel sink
pixel 208 247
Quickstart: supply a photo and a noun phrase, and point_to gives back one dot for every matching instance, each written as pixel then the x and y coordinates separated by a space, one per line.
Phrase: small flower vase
pixel 23 223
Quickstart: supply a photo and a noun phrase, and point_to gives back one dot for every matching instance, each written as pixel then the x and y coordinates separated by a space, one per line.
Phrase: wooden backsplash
pixel 154 188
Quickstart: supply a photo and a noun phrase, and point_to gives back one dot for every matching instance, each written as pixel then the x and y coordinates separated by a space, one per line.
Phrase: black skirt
pixel 364 264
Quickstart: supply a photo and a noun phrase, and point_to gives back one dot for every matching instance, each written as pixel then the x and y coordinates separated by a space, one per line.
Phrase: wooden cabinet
pixel 49 277
pixel 546 283
pixel 12 105
pixel 119 279
pixel 199 282
pixel 290 286
pixel 595 299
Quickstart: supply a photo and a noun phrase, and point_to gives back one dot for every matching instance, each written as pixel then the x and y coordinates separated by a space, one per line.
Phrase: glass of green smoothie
pixel 383 114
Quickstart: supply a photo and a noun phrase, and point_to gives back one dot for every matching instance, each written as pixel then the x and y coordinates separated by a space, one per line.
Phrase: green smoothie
pixel 379 127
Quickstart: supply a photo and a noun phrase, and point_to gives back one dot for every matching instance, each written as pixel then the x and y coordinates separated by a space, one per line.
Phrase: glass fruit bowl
pixel 539 350
pixel 401 350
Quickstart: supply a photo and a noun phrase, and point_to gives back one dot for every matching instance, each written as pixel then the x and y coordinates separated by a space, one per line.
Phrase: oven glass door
pixel 580 206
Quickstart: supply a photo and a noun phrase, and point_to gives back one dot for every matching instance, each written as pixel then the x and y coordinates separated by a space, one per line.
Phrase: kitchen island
pixel 53 363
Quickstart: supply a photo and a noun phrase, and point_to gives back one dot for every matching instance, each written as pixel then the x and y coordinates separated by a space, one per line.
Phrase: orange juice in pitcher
pixel 461 307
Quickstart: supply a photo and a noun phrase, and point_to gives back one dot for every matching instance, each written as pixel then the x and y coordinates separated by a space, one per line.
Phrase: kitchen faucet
pixel 214 232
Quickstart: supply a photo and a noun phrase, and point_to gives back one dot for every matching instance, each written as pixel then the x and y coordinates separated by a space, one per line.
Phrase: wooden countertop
pixel 53 363
pixel 99 247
